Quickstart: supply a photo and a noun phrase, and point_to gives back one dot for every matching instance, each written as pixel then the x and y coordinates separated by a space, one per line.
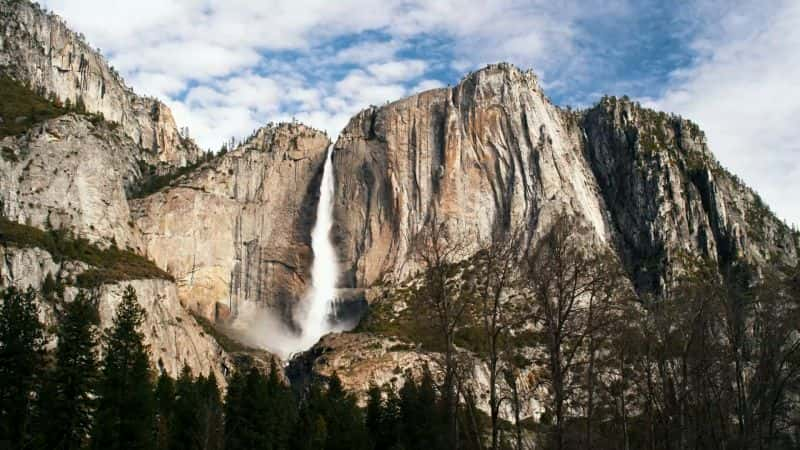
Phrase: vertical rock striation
pixel 492 153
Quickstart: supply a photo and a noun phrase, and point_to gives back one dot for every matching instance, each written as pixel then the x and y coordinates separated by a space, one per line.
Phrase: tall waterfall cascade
pixel 314 318
pixel 319 311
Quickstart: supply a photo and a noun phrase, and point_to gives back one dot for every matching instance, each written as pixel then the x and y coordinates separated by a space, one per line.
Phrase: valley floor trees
pixel 714 363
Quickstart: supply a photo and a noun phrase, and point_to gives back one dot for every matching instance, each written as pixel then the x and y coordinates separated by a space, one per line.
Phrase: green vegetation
pixel 126 402
pixel 109 265
pixel 22 345
pixel 153 182
pixel 68 392
pixel 21 108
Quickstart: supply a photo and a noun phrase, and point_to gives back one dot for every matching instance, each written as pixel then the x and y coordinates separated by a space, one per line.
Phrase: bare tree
pixel 438 295
pixel 490 283
pixel 569 290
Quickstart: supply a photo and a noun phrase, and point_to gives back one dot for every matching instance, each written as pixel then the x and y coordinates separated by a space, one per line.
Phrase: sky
pixel 228 67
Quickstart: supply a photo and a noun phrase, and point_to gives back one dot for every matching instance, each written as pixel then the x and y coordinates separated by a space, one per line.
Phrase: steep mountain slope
pixel 76 142
pixel 493 153
pixel 72 173
pixel 38 49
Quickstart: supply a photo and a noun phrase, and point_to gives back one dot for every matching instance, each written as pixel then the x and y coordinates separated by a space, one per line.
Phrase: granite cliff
pixel 487 155
pixel 493 153
pixel 237 229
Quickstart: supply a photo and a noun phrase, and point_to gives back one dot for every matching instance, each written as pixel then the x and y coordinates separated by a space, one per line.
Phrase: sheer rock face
pixel 39 49
pixel 486 155
pixel 173 335
pixel 238 229
pixel 70 173
pixel 493 152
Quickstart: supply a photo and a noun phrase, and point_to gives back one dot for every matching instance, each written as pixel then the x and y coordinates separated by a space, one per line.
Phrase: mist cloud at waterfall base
pixel 259 327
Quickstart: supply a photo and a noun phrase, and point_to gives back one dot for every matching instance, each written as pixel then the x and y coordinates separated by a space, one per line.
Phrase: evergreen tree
pixel 67 402
pixel 125 410
pixel 21 362
pixel 185 426
pixel 165 401
pixel 373 416
pixel 282 410
pixel 344 420
pixel 212 425
pixel 234 419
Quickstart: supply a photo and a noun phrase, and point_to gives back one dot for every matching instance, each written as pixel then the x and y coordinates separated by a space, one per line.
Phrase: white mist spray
pixel 324 271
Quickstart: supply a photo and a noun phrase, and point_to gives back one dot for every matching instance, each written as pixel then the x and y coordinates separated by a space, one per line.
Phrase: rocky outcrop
pixel 667 196
pixel 493 153
pixel 72 173
pixel 173 335
pixel 364 360
pixel 238 228
pixel 37 48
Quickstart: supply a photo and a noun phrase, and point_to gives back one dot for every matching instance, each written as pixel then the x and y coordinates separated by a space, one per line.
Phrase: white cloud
pixel 743 91
pixel 426 85
pixel 402 70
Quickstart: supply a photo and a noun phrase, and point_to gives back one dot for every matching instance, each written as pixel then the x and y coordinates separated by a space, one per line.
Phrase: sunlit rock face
pixel 39 49
pixel 238 229
pixel 486 155
pixel 492 153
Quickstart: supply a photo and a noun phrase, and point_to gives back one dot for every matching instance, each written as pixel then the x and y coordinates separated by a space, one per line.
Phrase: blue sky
pixel 228 67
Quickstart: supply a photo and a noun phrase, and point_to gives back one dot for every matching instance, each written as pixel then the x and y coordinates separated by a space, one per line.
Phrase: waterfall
pixel 319 301
pixel 257 326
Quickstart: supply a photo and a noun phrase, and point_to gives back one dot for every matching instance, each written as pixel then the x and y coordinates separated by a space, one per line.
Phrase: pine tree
pixel 21 362
pixel 165 401
pixel 185 427
pixel 344 420
pixel 125 410
pixel 212 425
pixel 373 414
pixel 235 421
pixel 282 410
pixel 67 402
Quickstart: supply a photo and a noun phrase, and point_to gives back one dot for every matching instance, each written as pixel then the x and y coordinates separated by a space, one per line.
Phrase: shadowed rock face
pixel 238 228
pixel 493 152
pixel 39 49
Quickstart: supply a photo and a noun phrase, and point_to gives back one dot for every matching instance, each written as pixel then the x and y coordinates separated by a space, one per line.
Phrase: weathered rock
pixel 238 228
pixel 667 196
pixel 173 335
pixel 38 48
pixel 489 154
pixel 363 360
pixel 70 173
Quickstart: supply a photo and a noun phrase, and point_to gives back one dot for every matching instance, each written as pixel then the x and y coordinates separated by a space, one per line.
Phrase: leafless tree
pixel 438 295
